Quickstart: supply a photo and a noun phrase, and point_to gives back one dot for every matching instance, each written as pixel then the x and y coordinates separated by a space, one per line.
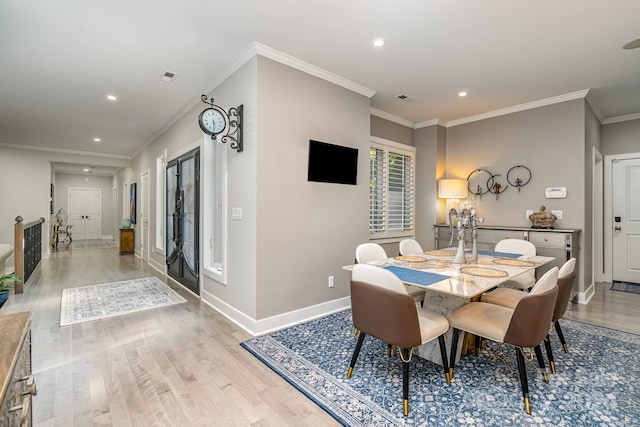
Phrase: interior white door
pixel 85 212
pixel 626 220
pixel 144 216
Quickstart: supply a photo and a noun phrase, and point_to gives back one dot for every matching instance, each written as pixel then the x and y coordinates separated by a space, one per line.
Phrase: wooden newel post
pixel 18 253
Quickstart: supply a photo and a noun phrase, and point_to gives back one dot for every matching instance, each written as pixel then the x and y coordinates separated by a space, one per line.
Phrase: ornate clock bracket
pixel 233 132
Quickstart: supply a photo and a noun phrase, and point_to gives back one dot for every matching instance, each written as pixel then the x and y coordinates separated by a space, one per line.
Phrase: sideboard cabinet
pixel 562 244
pixel 127 241
pixel 18 385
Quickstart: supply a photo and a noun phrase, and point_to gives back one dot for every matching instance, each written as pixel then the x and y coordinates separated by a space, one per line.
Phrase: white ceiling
pixel 58 59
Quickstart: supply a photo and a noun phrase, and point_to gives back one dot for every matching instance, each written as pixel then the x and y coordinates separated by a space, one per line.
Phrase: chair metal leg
pixel 454 350
pixel 547 346
pixel 356 352
pixel 478 342
pixel 522 370
pixel 561 336
pixel 406 353
pixel 543 368
pixel 443 354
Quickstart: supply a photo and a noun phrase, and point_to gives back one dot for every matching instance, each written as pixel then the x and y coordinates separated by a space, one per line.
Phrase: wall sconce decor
pixel 215 121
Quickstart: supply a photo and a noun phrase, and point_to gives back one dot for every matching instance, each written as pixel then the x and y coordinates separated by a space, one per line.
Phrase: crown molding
pixel 432 122
pixel 522 107
pixel 313 70
pixel 391 117
pixel 591 100
pixel 634 116
pixel 65 151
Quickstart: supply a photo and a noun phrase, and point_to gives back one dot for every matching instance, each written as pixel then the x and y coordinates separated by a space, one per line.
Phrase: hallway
pixel 179 365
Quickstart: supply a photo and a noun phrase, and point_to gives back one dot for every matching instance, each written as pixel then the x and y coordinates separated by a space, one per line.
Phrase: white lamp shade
pixel 452 189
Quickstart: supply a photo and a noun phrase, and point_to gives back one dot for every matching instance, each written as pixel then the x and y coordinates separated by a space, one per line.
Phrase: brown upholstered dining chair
pixel 510 297
pixel 524 326
pixel 382 308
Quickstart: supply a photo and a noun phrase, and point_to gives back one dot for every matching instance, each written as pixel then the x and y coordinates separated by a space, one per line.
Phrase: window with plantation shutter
pixel 391 191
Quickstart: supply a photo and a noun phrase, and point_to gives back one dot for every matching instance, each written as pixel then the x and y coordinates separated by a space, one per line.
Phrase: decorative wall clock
pixel 220 124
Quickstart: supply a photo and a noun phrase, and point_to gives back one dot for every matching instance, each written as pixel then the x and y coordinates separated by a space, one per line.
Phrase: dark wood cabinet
pixel 127 241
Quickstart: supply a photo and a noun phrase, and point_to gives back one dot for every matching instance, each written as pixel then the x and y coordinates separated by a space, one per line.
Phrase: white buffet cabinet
pixel 561 244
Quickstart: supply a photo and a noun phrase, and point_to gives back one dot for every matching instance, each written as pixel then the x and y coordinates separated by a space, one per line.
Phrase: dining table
pixel 450 285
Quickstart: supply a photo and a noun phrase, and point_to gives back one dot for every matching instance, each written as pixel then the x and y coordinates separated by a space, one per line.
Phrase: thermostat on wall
pixel 556 193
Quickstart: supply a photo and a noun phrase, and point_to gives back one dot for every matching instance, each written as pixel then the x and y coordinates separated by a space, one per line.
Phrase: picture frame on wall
pixel 132 204
pixel 51 200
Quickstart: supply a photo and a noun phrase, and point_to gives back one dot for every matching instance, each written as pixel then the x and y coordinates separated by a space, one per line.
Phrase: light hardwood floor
pixel 175 366
pixel 180 365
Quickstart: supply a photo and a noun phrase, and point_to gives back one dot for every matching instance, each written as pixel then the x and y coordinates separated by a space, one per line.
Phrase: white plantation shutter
pixel 391 191
pixel 377 175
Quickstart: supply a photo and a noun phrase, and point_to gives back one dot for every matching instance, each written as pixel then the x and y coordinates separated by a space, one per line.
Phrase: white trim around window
pixel 392 190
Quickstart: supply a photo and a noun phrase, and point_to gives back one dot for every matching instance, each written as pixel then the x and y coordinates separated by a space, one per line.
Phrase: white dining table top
pixel 458 282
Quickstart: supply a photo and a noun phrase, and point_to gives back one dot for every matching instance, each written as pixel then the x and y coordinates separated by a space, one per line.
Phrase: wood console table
pixel 18 385
pixel 127 241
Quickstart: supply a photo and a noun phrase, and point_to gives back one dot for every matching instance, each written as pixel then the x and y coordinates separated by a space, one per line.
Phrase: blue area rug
pixel 634 288
pixel 596 384
pixel 113 299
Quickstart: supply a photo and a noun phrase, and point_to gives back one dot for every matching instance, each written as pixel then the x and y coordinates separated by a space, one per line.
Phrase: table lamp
pixel 453 190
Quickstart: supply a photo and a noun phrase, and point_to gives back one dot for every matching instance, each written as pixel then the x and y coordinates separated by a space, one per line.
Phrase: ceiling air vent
pixel 403 97
pixel 167 76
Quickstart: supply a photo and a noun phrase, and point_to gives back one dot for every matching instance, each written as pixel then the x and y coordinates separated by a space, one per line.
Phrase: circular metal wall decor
pixel 479 190
pixel 516 172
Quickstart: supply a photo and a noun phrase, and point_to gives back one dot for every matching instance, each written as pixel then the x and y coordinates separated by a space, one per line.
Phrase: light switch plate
pixel 236 214
pixel 529 212
pixel 558 214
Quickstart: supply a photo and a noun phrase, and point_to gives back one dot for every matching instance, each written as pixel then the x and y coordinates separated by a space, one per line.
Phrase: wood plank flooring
pixel 175 366
pixel 180 365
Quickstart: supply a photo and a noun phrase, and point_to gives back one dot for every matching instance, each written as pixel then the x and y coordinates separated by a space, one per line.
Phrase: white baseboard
pixel 161 268
pixel 280 321
pixel 585 297
pixel 107 237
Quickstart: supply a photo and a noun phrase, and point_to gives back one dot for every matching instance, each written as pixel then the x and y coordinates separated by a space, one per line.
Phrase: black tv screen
pixel 332 163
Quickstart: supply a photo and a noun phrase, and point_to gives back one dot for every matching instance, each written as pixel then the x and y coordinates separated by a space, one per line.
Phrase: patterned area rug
pixel 626 287
pixel 94 244
pixel 113 299
pixel 595 383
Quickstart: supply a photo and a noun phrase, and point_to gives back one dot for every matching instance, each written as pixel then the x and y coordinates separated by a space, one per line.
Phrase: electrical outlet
pixel 529 212
pixel 330 282
pixel 558 214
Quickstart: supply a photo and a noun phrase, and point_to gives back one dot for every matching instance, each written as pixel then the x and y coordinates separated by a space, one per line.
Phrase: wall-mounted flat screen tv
pixel 332 163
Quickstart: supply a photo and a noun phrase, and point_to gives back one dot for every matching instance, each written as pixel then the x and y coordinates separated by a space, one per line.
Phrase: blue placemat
pixel 500 254
pixel 416 276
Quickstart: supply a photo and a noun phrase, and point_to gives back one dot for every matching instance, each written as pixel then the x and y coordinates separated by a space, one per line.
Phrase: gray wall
pixel 551 142
pixel 306 230
pixel 621 138
pixel 386 129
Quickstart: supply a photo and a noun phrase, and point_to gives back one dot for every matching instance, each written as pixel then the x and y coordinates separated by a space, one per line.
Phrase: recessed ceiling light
pixel 86 169
pixel 96 140
pixel 112 97
pixel 633 44
pixel 379 42
pixel 462 94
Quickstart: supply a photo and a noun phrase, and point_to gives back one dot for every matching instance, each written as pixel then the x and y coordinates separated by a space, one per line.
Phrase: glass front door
pixel 183 177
